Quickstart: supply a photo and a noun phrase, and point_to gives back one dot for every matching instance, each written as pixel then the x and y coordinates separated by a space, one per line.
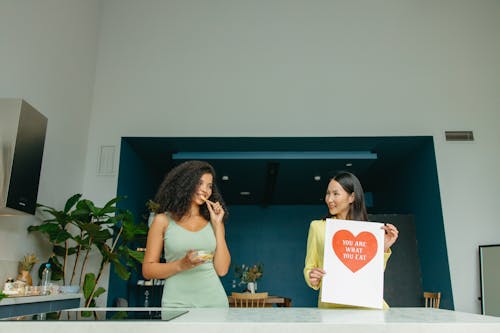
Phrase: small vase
pixel 26 277
pixel 251 287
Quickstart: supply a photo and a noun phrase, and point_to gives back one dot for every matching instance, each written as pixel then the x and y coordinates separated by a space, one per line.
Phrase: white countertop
pixel 276 320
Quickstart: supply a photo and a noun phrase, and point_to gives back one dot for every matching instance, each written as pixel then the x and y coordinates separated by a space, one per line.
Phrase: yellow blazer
pixel 314 258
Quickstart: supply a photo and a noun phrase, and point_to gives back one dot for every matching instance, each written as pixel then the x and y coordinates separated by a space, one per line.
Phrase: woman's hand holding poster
pixel 354 263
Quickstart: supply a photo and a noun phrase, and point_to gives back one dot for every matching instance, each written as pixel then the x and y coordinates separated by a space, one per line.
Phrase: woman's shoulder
pixel 161 220
pixel 317 224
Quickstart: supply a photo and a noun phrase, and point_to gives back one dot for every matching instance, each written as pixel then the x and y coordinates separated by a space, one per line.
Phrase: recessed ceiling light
pixel 244 193
pixel 348 164
pixel 225 177
pixel 317 178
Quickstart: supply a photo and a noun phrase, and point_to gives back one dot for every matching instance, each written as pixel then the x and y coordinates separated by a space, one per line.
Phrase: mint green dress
pixel 196 287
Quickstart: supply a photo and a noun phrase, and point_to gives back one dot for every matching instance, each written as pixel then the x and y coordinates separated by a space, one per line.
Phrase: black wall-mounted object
pixel 22 140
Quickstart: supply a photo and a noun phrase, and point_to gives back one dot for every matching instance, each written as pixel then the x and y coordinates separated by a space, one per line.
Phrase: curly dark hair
pixel 177 189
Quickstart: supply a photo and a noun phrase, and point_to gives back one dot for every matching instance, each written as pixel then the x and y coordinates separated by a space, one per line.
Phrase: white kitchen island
pixel 277 320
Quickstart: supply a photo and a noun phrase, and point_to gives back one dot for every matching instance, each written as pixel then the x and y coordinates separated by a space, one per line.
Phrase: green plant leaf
pixel 121 270
pixel 132 230
pixel 126 258
pixel 33 228
pixel 86 314
pixel 91 226
pixel 88 205
pixel 54 231
pixel 82 242
pixel 107 254
pixel 119 315
pixel 113 201
pixel 71 202
pixel 55 267
pixel 102 235
pixel 88 285
pixel 99 291
pixel 61 250
pixel 137 255
pixel 52 316
pixel 82 213
pixel 106 210
pixel 85 242
pixel 106 221
pixel 62 236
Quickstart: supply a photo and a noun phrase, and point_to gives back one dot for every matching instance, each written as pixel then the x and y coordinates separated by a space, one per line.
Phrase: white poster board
pixel 354 263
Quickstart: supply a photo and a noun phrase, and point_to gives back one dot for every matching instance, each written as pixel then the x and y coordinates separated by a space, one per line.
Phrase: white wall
pixel 266 68
pixel 314 68
pixel 48 56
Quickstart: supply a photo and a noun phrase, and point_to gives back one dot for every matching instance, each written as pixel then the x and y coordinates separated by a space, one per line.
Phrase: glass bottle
pixel 46 276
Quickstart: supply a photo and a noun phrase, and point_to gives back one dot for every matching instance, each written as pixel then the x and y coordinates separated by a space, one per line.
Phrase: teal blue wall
pixel 275 236
pixel 413 188
pixel 137 181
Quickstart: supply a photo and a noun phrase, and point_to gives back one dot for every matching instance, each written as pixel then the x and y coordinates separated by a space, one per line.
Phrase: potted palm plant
pixel 81 228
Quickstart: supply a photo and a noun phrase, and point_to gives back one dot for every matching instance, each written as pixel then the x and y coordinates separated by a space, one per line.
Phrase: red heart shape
pixel 354 252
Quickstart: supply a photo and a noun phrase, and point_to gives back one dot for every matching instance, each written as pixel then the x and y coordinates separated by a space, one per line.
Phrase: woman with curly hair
pixel 191 219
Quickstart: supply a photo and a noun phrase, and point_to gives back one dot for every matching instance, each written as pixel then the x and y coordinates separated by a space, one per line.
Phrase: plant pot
pixel 251 287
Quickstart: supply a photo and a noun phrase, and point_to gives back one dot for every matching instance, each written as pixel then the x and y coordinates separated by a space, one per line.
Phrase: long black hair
pixel 175 193
pixel 350 183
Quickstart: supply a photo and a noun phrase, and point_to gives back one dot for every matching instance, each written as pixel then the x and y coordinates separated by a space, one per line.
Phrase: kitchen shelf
pixel 27 305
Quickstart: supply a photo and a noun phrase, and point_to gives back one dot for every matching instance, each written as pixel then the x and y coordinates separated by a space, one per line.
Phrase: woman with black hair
pixel 345 200
pixel 191 219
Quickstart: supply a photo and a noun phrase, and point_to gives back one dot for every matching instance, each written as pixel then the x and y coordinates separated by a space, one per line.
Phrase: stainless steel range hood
pixel 22 139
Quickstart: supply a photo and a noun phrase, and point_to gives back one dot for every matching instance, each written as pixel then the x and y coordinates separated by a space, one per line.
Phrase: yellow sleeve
pixel 312 252
pixel 387 256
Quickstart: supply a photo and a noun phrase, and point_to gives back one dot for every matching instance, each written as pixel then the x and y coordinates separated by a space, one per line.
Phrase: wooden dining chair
pixel 432 300
pixel 247 300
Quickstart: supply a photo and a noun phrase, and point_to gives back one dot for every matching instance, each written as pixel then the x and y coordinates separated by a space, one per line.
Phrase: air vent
pixel 459 135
